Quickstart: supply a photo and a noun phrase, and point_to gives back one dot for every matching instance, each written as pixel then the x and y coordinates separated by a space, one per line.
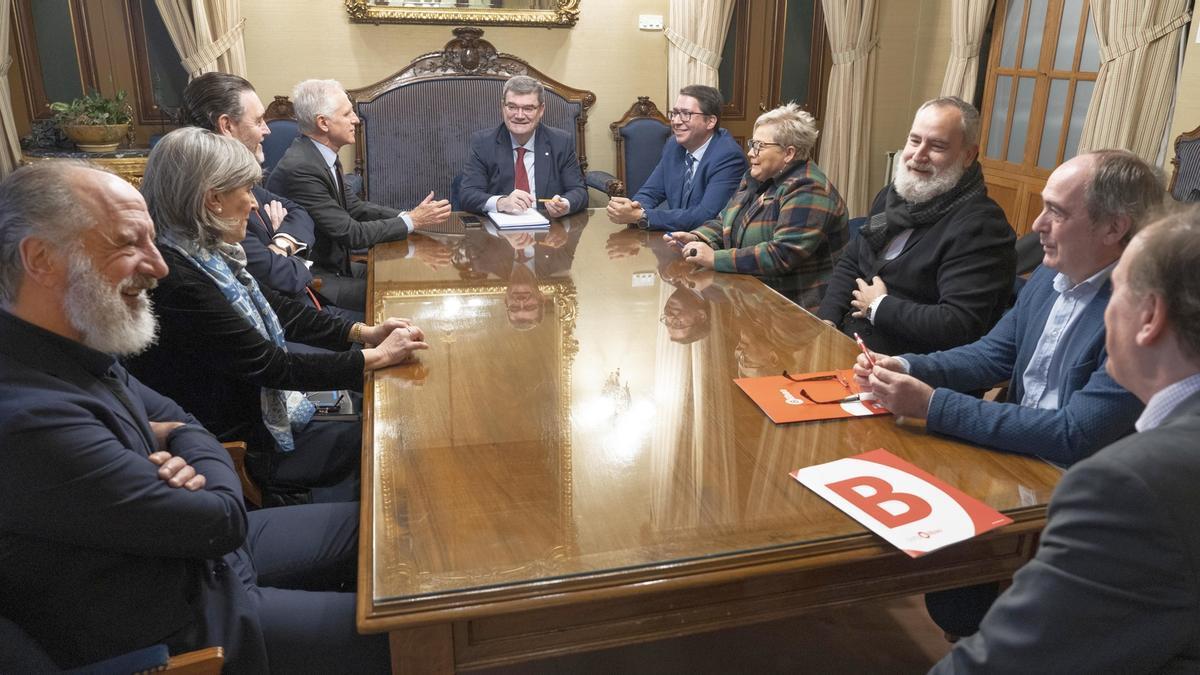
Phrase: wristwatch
pixel 642 223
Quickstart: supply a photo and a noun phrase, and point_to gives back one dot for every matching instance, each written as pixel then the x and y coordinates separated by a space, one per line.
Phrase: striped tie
pixel 687 175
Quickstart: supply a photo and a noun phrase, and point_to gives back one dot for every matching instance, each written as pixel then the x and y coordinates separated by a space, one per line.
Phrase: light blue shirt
pixel 698 153
pixel 1164 402
pixel 331 156
pixel 1044 372
pixel 530 164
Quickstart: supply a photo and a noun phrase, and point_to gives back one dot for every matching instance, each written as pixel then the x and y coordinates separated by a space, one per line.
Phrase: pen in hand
pixel 866 352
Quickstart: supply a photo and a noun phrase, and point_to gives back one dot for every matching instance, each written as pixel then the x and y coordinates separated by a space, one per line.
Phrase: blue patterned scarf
pixel 282 411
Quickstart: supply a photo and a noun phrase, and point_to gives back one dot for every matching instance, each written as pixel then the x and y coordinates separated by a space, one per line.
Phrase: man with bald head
pixel 123 523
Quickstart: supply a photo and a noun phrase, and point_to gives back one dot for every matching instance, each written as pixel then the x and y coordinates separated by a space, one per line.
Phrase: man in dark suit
pixel 123 524
pixel 1062 404
pixel 935 263
pixel 699 170
pixel 1114 586
pixel 522 163
pixel 311 174
pixel 280 230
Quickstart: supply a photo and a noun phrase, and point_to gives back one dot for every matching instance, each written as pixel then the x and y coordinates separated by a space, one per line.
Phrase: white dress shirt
pixel 530 162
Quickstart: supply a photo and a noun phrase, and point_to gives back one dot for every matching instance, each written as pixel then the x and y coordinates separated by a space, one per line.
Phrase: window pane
pixel 1068 35
pixel 1012 32
pixel 1033 35
pixel 999 117
pixel 728 56
pixel 1056 106
pixel 797 51
pixel 168 78
pixel 1090 60
pixel 1083 96
pixel 56 49
pixel 1020 123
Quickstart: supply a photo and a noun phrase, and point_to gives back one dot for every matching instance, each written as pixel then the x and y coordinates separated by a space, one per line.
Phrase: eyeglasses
pixel 753 147
pixel 683 115
pixel 513 109
pixel 824 378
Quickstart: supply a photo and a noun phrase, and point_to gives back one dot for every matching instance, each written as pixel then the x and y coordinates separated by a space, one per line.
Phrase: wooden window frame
pixel 36 102
pixel 1042 75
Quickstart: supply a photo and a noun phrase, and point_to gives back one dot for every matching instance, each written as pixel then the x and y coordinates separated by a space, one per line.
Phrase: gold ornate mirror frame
pixel 560 14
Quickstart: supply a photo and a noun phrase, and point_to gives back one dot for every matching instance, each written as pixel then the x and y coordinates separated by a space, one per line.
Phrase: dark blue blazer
pixel 488 170
pixel 1114 587
pixel 1093 409
pixel 715 180
pixel 98 556
pixel 285 273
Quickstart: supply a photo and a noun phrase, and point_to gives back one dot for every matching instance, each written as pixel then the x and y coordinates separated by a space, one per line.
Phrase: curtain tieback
pixel 1130 42
pixel 852 55
pixel 687 46
pixel 964 50
pixel 195 63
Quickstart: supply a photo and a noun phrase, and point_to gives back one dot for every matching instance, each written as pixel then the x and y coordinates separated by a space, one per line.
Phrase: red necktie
pixel 522 178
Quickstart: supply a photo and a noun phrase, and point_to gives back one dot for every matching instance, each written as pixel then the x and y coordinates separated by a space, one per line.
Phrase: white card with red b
pixel 910 508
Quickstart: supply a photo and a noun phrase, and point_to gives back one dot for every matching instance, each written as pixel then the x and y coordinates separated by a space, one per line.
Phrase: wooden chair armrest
pixel 237 451
pixel 207 661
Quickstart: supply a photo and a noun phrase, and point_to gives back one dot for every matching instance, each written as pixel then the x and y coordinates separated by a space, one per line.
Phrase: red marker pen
pixel 863 346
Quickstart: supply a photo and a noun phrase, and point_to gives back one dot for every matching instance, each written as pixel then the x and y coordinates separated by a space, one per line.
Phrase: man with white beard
pixel 934 265
pixel 123 523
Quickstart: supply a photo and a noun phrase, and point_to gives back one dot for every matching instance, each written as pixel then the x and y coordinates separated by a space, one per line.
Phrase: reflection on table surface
pixel 576 415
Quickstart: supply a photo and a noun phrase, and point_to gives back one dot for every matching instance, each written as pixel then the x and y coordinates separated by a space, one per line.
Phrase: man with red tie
pixel 521 163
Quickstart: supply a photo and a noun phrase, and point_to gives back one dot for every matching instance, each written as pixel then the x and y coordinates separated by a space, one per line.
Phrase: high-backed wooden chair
pixel 639 136
pixel 1185 178
pixel 280 117
pixel 416 124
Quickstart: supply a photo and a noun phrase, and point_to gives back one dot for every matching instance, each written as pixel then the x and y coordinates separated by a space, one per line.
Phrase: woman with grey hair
pixel 786 224
pixel 222 351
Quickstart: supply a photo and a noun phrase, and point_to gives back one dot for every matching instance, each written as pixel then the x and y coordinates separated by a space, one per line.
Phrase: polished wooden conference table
pixel 570 465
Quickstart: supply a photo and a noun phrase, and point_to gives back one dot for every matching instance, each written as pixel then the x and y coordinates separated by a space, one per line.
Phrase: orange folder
pixel 824 395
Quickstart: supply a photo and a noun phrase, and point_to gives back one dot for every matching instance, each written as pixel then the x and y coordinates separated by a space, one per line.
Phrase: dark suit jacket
pixel 214 363
pixel 98 556
pixel 1093 410
pixel 948 286
pixel 343 224
pixel 488 170
pixel 285 273
pixel 1115 584
pixel 714 181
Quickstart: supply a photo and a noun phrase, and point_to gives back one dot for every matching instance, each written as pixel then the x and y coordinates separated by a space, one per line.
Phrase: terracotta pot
pixel 96 137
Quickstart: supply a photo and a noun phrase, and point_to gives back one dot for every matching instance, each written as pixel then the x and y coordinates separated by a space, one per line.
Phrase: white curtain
pixel 696 34
pixel 968 19
pixel 846 138
pixel 207 34
pixel 1136 84
pixel 10 143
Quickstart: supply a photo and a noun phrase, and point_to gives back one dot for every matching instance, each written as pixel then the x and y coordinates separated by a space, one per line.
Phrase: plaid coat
pixel 788 231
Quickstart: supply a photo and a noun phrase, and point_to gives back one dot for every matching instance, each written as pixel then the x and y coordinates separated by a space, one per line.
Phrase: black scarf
pixel 899 215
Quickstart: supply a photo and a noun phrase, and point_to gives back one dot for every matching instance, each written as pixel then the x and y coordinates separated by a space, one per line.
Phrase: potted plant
pixel 95 123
